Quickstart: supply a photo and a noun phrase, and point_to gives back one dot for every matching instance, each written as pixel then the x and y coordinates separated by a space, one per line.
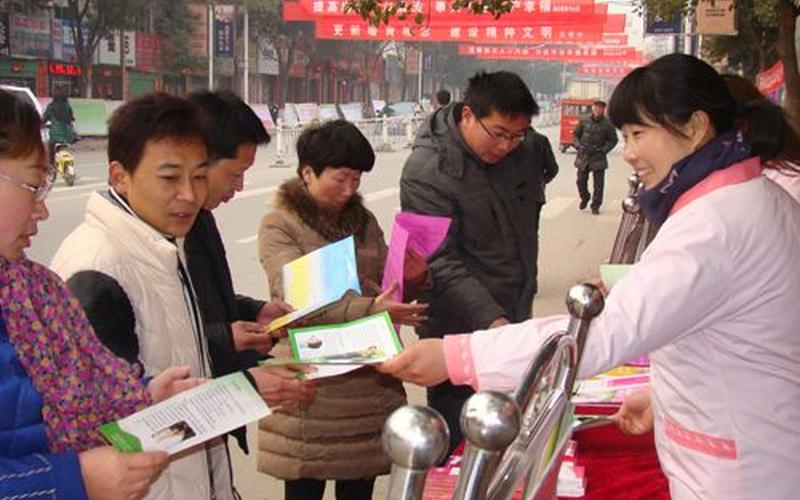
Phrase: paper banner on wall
pixel 422 234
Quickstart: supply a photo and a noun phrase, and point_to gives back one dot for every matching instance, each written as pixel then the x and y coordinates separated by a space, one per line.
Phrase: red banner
pixel 605 71
pixel 771 79
pixel 148 51
pixel 625 55
pixel 614 40
pixel 458 33
pixel 608 23
pixel 441 11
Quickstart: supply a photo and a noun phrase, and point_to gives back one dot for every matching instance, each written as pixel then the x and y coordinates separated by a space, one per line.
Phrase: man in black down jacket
pixel 595 137
pixel 478 162
pixel 233 324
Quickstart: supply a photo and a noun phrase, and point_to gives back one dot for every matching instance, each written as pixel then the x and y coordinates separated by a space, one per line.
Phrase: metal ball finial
pixel 584 301
pixel 490 420
pixel 415 437
pixel 630 205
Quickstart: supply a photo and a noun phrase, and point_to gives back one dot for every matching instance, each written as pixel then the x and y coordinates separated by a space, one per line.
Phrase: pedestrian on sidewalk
pixel 61 119
pixel 595 137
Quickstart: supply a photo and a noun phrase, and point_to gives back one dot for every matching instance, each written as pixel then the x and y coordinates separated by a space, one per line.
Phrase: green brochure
pixel 189 418
pixel 342 347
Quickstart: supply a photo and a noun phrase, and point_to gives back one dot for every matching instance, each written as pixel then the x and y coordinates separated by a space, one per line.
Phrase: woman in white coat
pixel 713 299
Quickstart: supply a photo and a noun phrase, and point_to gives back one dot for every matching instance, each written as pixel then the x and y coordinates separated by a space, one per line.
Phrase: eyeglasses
pixel 39 192
pixel 512 138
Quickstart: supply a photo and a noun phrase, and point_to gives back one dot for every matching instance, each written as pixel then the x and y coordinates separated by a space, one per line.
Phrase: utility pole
pixel 122 47
pixel 210 46
pixel 421 56
pixel 246 36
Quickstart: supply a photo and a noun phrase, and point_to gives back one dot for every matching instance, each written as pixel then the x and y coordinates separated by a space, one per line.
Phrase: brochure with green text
pixel 189 418
pixel 343 347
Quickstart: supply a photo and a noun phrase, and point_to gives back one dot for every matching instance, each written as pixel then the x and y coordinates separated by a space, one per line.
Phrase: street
pixel 572 243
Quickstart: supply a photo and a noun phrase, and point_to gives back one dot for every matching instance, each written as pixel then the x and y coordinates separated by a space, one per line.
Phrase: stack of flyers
pixel 604 393
pixel 571 477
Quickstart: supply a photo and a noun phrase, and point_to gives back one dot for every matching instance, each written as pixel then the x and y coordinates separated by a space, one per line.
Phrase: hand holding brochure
pixel 421 233
pixel 343 347
pixel 189 418
pixel 318 280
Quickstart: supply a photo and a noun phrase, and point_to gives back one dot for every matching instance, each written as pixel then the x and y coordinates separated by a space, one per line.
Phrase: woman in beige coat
pixel 338 435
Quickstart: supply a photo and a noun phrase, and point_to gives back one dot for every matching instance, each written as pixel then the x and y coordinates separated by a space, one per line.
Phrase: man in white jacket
pixel 125 264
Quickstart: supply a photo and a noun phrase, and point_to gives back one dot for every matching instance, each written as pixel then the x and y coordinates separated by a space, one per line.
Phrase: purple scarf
pixel 82 384
pixel 722 152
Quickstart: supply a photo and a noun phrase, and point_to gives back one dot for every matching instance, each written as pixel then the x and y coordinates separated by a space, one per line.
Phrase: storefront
pixel 64 77
pixel 107 82
pixel 20 72
pixel 140 83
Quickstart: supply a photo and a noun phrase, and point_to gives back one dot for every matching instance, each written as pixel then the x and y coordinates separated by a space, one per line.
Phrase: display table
pixel 616 467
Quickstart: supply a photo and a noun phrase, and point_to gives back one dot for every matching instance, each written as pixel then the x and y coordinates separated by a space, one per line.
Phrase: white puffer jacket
pixel 145 265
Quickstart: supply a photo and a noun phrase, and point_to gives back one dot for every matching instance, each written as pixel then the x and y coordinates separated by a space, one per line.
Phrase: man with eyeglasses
pixel 477 162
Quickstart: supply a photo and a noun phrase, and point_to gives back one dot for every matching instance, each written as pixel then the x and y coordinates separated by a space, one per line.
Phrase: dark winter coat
pixel 486 268
pixel 219 304
pixel 594 139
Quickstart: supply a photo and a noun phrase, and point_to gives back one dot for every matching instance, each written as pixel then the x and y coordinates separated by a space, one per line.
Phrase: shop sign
pixel 655 25
pixel 65 69
pixel 29 35
pixel 716 17
pixel 63 41
pixel 223 30
pixel 4 44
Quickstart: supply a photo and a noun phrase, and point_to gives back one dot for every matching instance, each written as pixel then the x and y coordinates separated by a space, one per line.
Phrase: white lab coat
pixel 714 300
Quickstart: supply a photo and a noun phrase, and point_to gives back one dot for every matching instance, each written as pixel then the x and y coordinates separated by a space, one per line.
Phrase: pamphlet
pixel 318 280
pixel 189 418
pixel 340 348
pixel 612 273
pixel 604 393
pixel 421 233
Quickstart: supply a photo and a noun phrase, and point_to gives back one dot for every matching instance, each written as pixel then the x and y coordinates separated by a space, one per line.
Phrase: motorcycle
pixel 64 162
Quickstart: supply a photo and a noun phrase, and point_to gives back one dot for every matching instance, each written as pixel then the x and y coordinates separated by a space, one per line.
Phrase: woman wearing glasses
pixel 57 382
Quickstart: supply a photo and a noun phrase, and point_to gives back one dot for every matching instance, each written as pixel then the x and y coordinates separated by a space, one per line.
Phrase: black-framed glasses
pixel 512 138
pixel 39 192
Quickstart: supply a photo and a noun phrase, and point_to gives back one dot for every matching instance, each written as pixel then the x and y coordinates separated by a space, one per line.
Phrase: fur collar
pixel 331 225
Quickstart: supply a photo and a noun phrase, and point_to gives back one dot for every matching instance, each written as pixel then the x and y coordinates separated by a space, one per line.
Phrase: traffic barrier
pixel 383 134
pixel 91 117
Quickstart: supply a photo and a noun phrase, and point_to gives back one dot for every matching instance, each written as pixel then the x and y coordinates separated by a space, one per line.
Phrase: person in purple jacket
pixel 58 384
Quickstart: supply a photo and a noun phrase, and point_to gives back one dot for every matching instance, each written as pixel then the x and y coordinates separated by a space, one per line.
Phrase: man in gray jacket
pixel 595 137
pixel 477 162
